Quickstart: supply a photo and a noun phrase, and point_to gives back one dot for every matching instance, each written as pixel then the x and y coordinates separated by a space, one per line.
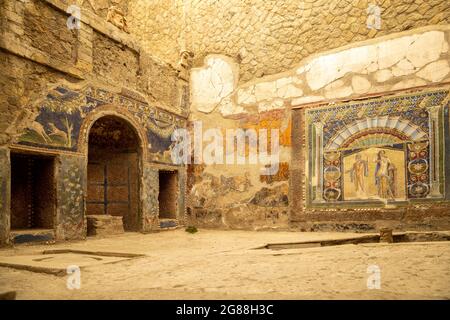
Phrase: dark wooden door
pixel 109 188
pixel 113 187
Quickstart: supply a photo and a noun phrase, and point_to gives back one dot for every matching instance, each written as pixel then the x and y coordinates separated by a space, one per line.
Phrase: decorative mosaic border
pixel 417 119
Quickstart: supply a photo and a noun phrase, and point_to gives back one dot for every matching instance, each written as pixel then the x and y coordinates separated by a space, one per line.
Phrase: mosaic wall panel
pixel 150 201
pixel 182 180
pixel 381 150
pixel 4 195
pixel 70 194
pixel 61 115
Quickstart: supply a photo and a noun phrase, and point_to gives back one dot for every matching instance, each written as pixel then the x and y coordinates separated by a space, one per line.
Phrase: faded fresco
pixel 58 122
pixel 62 113
pixel 150 202
pixel 382 150
pixel 159 134
pixel 70 198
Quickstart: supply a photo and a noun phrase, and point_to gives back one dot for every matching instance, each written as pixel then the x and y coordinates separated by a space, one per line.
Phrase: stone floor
pixel 225 265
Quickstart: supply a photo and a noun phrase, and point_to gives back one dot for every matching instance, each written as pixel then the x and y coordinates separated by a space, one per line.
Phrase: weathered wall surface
pixel 114 61
pixel 55 81
pixel 163 86
pixel 71 186
pixel 158 25
pixel 397 62
pixel 100 7
pixel 268 37
pixel 230 195
pixel 417 58
pixel 51 37
pixel 150 198
pixel 23 82
pixel 97 53
pixel 5 188
pixel 63 77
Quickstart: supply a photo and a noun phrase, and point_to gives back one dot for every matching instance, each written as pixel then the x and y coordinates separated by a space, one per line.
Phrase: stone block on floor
pixel 103 225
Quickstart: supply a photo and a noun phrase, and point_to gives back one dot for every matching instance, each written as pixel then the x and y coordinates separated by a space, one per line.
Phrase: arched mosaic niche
pixel 380 150
pixel 59 122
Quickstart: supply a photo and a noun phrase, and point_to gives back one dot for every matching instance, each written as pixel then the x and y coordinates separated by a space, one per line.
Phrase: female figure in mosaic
pixel 385 176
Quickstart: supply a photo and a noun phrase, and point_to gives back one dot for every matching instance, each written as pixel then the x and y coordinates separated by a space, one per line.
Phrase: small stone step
pixel 101 225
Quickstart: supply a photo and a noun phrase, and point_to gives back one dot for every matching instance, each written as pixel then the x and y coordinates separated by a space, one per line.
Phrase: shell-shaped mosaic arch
pixel 388 129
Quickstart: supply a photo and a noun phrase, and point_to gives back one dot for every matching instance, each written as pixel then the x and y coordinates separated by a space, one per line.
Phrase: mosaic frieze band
pixel 61 116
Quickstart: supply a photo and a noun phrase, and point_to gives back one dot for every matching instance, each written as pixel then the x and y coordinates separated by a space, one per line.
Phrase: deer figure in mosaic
pixel 40 130
pixel 57 132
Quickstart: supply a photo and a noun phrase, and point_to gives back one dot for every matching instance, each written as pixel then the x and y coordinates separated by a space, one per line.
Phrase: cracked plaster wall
pixel 401 61
pixel 39 54
pixel 271 36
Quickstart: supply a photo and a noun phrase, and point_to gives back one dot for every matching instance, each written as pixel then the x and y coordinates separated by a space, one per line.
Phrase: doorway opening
pixel 113 176
pixel 168 194
pixel 33 192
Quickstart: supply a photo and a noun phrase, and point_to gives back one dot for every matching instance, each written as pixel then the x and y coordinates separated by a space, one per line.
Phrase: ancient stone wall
pixel 259 65
pixel 268 37
pixel 379 67
pixel 98 52
pixel 158 25
pixel 5 187
pixel 23 83
pixel 271 36
pixel 71 186
pixel 163 86
pixel 101 7
pixel 56 80
pixel 114 61
pixel 44 28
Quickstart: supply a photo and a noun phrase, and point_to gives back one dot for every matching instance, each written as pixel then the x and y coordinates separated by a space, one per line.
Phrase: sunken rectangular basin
pixel 56 262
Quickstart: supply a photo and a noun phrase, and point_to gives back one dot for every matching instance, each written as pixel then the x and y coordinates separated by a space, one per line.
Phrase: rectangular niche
pixel 168 194
pixel 33 192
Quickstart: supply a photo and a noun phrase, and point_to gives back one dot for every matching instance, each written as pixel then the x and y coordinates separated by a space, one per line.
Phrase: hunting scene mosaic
pixel 61 116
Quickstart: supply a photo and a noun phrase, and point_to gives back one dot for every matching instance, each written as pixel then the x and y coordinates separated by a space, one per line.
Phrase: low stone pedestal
pixel 386 235
pixel 102 225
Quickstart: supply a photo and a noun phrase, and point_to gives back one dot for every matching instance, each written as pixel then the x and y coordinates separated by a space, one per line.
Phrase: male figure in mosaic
pixel 358 172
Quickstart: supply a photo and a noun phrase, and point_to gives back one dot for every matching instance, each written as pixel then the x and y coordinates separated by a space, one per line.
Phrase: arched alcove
pixel 113 171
